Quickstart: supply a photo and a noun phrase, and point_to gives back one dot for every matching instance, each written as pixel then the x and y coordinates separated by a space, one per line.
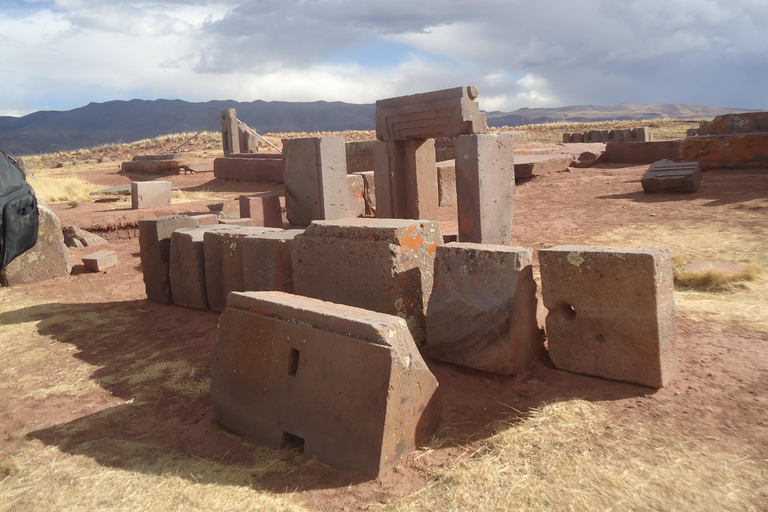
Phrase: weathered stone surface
pixel 223 255
pixel 100 260
pixel 187 266
pixel 360 156
pixel 586 154
pixel 155 253
pixel 727 151
pixel 267 261
pixel 242 221
pixel 611 312
pixel 446 183
pixel 49 257
pixel 315 179
pixel 225 210
pixel 346 384
pixel 406 180
pixel 230 134
pixel 369 192
pixel 747 122
pixel 356 195
pixel 482 311
pixel 428 115
pixel 203 218
pixel 384 265
pixel 485 182
pixel 263 209
pixel 76 237
pixel 159 164
pixel 150 194
pixel 642 152
pixel 669 176
pixel 264 167
pixel 527 166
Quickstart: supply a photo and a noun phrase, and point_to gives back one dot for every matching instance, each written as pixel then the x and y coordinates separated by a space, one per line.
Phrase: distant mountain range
pixel 128 121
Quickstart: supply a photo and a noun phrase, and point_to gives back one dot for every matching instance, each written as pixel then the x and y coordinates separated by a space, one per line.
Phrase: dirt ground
pixel 720 395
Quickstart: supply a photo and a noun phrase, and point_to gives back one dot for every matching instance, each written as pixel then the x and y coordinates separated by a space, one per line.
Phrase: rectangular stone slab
pixel 669 176
pixel 384 265
pixel 315 179
pixel 406 180
pixel 482 310
pixel 224 262
pixel 744 150
pixel 187 266
pixel 611 312
pixel 250 167
pixel 100 260
pixel 263 209
pixel 485 183
pixel 356 195
pixel 155 253
pixel 150 194
pixel 445 113
pixel 286 366
pixel 267 261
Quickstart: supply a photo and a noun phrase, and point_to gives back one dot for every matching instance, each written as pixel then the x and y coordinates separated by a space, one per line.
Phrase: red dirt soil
pixel 719 394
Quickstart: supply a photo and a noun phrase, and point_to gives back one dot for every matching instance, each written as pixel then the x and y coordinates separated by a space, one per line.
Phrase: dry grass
pixel 713 279
pixel 552 133
pixel 569 456
pixel 54 189
pixel 742 301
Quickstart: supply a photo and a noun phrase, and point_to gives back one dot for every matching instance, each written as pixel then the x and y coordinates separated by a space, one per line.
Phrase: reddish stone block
pixel 356 186
pixel 100 260
pixel 369 192
pixel 263 209
pixel 611 312
pixel 485 181
pixel 445 113
pixel 482 311
pixel 267 261
pixel 346 384
pixel 360 156
pixel 224 262
pixel 155 253
pixel 642 152
pixel 747 122
pixel 528 166
pixel 384 265
pixel 243 221
pixel 203 218
pixel 264 167
pixel 150 194
pixel 727 151
pixel 315 179
pixel 446 183
pixel 406 180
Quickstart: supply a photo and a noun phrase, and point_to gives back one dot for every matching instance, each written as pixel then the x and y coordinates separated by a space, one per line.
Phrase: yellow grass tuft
pixel 53 189
pixel 715 280
pixel 568 456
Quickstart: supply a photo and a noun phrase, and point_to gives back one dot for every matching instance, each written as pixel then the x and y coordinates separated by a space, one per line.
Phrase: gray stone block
pixel 155 253
pixel 267 261
pixel 669 176
pixel 150 194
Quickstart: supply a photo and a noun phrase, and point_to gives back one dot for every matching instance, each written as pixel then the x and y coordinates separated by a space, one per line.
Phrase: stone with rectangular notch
pixel 150 194
pixel 346 384
pixel 406 180
pixel 611 312
pixel 384 265
pixel 669 176
pixel 445 113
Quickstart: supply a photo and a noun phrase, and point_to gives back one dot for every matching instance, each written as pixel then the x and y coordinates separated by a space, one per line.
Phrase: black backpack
pixel 19 216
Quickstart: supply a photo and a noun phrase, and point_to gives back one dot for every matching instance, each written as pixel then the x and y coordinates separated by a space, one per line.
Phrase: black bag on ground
pixel 19 216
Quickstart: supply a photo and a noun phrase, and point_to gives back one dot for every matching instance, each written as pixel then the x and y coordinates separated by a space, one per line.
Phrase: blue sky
pixel 62 54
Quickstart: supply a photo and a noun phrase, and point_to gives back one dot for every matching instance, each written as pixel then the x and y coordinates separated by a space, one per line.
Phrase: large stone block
pixel 267 261
pixel 727 151
pixel 446 183
pixel 345 384
pixel 360 156
pixel 100 260
pixel 428 115
pixel 47 259
pixel 263 209
pixel 369 192
pixel 384 265
pixel 315 179
pixel 187 266
pixel 155 253
pixel 230 134
pixel 669 176
pixel 611 312
pixel 264 167
pixel 482 311
pixel 485 182
pixel 150 194
pixel 356 195
pixel 528 166
pixel 642 152
pixel 222 250
pixel 747 122
pixel 406 180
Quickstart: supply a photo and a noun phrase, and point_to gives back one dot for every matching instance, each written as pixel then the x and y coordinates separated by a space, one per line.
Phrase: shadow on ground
pixel 157 359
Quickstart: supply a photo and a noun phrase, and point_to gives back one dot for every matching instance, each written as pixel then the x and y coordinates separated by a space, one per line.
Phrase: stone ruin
pixel 642 134
pixel 310 314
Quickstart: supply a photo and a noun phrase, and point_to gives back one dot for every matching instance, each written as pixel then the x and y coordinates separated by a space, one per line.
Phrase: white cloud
pixel 519 53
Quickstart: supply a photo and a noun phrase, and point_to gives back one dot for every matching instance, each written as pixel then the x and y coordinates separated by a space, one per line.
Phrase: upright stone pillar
pixel 485 182
pixel 230 135
pixel 315 179
pixel 406 180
